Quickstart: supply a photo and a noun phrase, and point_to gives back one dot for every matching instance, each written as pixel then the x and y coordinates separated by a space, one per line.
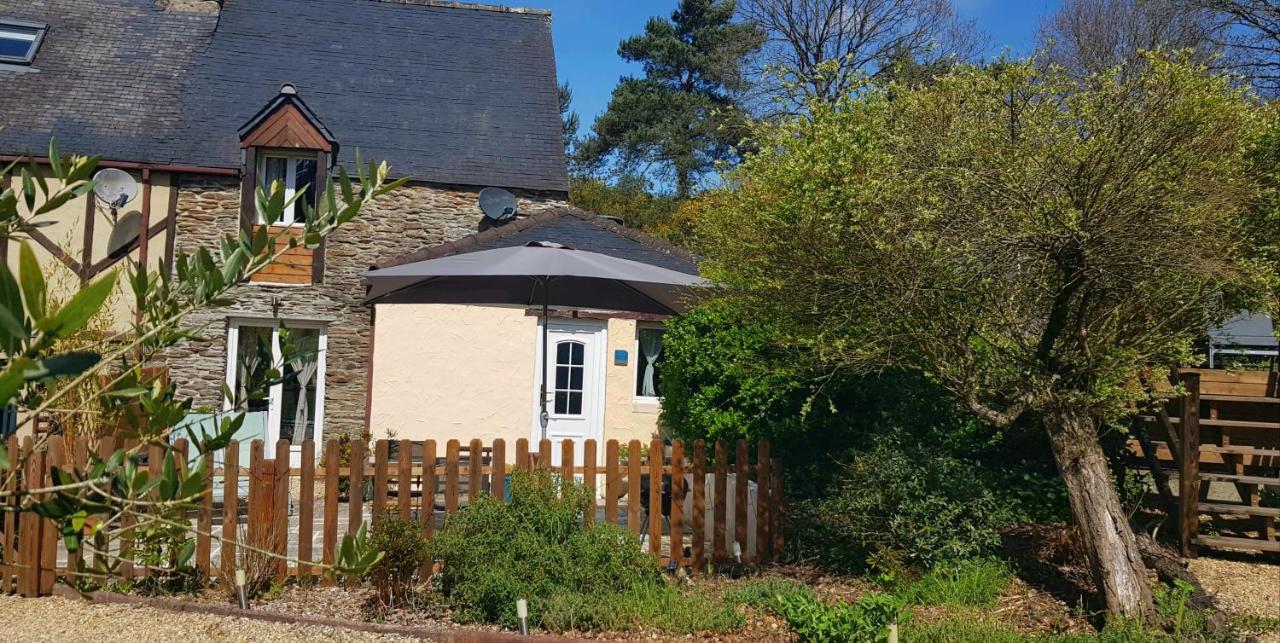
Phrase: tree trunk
pixel 1118 570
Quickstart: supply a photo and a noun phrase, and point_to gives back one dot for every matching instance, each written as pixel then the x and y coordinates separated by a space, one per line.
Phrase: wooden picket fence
pixel 699 479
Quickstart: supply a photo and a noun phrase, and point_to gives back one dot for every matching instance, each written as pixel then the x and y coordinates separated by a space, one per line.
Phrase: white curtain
pixel 304 367
pixel 651 346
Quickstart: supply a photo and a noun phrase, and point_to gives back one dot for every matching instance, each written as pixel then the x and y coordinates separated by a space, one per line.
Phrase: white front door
pixel 575 385
pixel 293 407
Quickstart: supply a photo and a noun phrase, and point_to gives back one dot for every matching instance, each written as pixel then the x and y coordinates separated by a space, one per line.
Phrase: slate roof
pixel 443 92
pixel 575 228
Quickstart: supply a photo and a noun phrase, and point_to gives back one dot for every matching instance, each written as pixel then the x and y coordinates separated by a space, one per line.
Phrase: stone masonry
pixel 415 216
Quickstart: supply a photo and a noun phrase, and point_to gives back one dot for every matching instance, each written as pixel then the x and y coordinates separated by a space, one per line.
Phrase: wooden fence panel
pixel 611 490
pixel 677 502
pixel 544 453
pixel 777 512
pixel 721 510
pixel 54 457
pixel 29 529
pixel 280 508
pixel 404 479
pixel 566 461
pixel 451 477
pixel 589 477
pixel 230 507
pixel 78 457
pixel 329 539
pixel 1189 466
pixel 204 520
pixel 8 553
pixel 699 505
pixel 427 512
pixel 764 540
pixel 306 508
pixel 655 497
pixel 380 455
pixel 475 470
pixel 740 500
pixel 126 541
pixel 355 488
pixel 522 453
pixel 633 487
pixel 498 479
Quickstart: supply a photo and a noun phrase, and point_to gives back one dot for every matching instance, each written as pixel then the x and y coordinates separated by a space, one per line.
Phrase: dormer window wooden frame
pixel 285 141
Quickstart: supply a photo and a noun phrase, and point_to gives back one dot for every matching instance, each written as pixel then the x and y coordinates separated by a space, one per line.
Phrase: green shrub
pixel 535 547
pixel 819 622
pixel 897 509
pixel 405 551
pixel 965 583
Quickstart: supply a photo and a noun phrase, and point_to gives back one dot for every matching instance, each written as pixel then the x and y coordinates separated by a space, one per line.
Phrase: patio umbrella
pixel 540 273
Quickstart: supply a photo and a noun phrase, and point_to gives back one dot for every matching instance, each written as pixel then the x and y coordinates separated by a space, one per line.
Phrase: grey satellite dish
pixel 497 204
pixel 124 236
pixel 114 186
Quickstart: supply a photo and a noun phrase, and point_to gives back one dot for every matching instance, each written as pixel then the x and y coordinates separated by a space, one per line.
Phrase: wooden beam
pixel 248 183
pixel 131 165
pixel 171 225
pixel 90 217
pixel 1189 466
pixel 317 256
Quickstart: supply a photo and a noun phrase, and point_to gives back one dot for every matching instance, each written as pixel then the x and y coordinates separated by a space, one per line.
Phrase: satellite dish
pixel 497 204
pixel 124 236
pixel 114 186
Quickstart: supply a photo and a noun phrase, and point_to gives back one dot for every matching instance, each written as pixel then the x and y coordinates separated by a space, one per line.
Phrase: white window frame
pixel 275 395
pixel 644 400
pixel 293 216
pixel 40 29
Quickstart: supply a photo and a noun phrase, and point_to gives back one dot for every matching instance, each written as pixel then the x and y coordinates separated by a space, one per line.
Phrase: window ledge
pixel 646 405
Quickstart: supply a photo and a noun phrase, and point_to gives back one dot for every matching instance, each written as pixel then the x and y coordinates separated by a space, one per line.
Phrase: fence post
pixel 1189 466
pixel 764 484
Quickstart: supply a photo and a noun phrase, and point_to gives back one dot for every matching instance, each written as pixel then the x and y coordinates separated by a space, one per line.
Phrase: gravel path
pixel 72 621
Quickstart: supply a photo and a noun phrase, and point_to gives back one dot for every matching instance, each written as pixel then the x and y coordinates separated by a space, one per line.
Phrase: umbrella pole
pixel 543 418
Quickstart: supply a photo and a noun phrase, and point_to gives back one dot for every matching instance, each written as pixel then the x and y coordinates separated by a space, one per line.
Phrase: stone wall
pixel 413 217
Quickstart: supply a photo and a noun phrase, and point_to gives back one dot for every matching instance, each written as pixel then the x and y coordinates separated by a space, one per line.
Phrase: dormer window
pixel 298 174
pixel 19 40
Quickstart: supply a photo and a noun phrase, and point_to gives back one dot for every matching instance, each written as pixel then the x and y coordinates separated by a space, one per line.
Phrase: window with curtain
pixel 297 419
pixel 296 174
pixel 648 361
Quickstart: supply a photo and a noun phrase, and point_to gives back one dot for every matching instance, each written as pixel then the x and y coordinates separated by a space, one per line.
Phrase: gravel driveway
pixel 72 621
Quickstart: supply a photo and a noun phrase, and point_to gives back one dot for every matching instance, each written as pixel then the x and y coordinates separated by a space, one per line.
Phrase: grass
pixel 957 630
pixel 660 607
pixel 963 584
pixel 763 593
pixel 1256 624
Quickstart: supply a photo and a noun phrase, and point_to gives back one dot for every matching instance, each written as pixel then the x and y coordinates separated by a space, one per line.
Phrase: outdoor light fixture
pixel 522 611
pixel 244 601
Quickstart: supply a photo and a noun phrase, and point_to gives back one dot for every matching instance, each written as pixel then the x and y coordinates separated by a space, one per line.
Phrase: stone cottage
pixel 201 102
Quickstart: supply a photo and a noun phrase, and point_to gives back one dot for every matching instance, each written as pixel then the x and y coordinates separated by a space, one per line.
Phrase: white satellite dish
pixel 115 187
pixel 124 235
pixel 497 204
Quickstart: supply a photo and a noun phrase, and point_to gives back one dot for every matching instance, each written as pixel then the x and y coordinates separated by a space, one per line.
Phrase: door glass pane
pixel 570 360
pixel 253 361
pixel 297 417
pixel 274 168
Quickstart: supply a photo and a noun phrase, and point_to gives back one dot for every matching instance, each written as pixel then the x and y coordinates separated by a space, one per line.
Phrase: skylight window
pixel 19 40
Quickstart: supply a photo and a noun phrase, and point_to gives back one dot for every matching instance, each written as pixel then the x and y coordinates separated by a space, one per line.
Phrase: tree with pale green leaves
pixel 87 503
pixel 1035 243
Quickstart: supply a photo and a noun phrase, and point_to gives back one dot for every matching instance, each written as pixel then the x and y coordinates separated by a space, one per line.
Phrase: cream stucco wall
pixel 446 372
pixel 65 227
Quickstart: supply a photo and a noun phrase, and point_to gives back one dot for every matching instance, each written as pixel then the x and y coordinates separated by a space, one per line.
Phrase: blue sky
pixel 587 32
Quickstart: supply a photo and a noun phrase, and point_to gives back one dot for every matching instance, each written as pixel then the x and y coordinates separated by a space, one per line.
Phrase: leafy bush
pixel 535 547
pixel 895 510
pixel 405 551
pixel 963 583
pixel 813 620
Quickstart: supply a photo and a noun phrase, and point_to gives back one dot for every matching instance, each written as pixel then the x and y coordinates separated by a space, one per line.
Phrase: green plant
pixel 897 509
pixel 762 593
pixel 959 630
pixel 535 547
pixel 818 621
pixel 655 606
pixel 963 583
pixel 405 551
